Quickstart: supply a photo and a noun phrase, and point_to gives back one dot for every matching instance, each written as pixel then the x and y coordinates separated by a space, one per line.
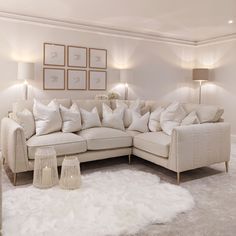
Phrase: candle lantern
pixel 45 168
pixel 70 173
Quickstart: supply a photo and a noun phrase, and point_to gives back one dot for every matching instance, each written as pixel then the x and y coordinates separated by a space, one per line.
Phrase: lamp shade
pixel 125 75
pixel 200 74
pixel 25 71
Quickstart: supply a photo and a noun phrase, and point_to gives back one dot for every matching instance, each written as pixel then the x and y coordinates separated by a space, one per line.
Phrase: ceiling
pixel 191 20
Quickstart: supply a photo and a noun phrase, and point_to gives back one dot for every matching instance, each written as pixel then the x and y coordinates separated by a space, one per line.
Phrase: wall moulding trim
pixel 90 28
pixel 216 40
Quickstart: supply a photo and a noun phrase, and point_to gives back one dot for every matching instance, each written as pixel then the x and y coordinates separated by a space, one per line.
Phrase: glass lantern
pixel 70 173
pixel 45 168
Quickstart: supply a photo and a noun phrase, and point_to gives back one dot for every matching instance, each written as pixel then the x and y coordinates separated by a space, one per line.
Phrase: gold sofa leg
pixel 14 178
pixel 227 166
pixel 178 177
pixel 129 156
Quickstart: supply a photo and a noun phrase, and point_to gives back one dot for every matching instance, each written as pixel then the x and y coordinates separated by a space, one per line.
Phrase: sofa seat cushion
pixel 100 138
pixel 64 143
pixel 132 133
pixel 157 143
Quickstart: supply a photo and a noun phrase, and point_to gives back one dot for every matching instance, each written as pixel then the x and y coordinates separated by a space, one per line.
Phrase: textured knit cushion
pixel 47 117
pixel 135 106
pixel 113 118
pixel 139 122
pixel 90 118
pixel 191 119
pixel 172 117
pixel 105 138
pixel 154 120
pixel 25 119
pixel 157 143
pixel 64 143
pixel 71 118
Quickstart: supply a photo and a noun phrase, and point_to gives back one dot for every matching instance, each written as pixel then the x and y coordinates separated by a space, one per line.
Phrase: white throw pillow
pixel 139 122
pixel 25 119
pixel 71 119
pixel 209 113
pixel 47 117
pixel 113 119
pixel 191 119
pixel 135 106
pixel 172 117
pixel 154 120
pixel 90 118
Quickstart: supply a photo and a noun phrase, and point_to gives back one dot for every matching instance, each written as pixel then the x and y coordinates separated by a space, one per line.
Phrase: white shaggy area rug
pixel 108 203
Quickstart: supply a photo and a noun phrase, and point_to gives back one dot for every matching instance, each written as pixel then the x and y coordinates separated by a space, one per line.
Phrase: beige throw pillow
pixel 154 120
pixel 135 106
pixel 113 118
pixel 90 119
pixel 71 119
pixel 172 117
pixel 25 119
pixel 139 122
pixel 191 119
pixel 208 114
pixel 47 117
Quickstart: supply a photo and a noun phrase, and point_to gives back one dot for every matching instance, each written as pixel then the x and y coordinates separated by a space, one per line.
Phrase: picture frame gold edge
pixel 86 78
pixel 102 68
pixel 57 44
pixel 89 80
pixel 51 68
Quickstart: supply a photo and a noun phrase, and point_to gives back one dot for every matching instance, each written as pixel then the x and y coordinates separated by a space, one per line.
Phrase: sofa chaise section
pixel 191 147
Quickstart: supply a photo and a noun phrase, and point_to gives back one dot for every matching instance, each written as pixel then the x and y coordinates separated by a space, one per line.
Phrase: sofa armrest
pixel 200 145
pixel 14 145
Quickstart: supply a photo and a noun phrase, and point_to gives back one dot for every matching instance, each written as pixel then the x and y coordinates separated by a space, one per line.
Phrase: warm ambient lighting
pixel 200 75
pixel 125 76
pixel 230 22
pixel 25 72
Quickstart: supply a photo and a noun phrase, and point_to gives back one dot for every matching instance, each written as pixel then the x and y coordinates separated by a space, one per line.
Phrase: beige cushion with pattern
pixel 105 138
pixel 64 143
pixel 157 143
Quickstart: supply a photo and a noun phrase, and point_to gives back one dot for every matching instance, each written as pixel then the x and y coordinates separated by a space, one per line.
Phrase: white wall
pixel 221 89
pixel 161 71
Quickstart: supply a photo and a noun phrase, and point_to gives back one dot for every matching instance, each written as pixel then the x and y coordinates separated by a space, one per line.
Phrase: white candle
pixel 47 176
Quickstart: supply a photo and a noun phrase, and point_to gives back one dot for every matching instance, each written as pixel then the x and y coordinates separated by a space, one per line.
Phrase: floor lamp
pixel 200 75
pixel 125 76
pixel 25 72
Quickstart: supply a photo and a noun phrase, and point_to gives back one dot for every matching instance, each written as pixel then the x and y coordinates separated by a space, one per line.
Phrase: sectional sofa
pixel 188 147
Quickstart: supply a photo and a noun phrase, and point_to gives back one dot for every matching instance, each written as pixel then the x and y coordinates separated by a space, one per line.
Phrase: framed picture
pixel 76 79
pixel 54 54
pixel 76 56
pixel 53 79
pixel 97 80
pixel 97 58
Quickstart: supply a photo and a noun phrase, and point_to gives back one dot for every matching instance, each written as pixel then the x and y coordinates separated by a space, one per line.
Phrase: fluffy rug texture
pixel 108 203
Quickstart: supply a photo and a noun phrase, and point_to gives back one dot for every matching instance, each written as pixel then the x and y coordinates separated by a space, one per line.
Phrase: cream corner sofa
pixel 188 147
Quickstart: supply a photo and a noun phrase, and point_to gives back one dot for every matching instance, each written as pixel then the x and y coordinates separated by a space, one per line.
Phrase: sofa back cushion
pixel 89 104
pixel 21 105
pixel 205 113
